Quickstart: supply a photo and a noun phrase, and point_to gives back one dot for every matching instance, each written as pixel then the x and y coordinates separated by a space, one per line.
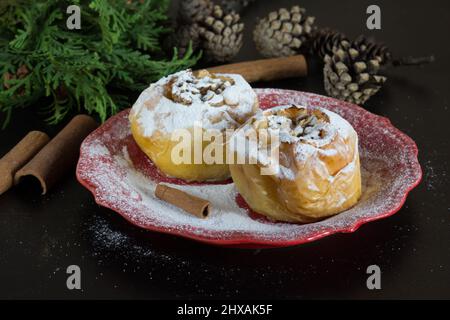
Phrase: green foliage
pixel 81 69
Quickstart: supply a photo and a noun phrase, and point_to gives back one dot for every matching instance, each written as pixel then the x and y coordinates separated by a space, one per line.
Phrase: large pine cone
pixel 221 35
pixel 194 11
pixel 284 32
pixel 352 74
pixel 325 40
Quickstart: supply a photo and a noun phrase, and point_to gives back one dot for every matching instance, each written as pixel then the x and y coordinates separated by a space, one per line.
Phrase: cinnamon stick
pixel 26 149
pixel 267 69
pixel 59 155
pixel 189 203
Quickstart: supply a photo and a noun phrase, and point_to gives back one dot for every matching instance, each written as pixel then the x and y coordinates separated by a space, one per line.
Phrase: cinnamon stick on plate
pixel 26 149
pixel 59 155
pixel 267 69
pixel 189 203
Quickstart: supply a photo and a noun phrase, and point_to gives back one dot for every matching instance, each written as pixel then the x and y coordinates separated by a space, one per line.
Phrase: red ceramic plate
pixel 122 178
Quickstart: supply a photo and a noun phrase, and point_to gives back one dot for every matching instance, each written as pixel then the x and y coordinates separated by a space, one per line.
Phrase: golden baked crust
pixel 319 169
pixel 183 101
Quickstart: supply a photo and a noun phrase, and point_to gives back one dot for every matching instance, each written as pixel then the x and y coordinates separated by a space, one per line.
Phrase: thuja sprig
pixel 117 49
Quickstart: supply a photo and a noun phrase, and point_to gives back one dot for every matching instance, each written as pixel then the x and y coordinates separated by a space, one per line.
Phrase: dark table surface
pixel 40 236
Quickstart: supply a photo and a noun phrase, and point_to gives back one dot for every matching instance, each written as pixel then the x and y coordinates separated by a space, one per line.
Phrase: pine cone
pixel 194 11
pixel 236 6
pixel 181 37
pixel 221 35
pixel 373 49
pixel 325 40
pixel 351 74
pixel 283 32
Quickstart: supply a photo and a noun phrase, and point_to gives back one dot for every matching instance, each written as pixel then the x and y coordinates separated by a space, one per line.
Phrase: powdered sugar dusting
pixel 108 167
pixel 307 129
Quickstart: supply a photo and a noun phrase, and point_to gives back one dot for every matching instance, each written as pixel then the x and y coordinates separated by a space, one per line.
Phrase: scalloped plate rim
pixel 246 241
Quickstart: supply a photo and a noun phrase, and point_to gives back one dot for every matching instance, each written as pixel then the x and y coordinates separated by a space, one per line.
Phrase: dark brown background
pixel 41 236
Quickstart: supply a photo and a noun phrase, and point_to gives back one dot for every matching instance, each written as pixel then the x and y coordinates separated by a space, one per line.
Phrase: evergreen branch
pixel 81 70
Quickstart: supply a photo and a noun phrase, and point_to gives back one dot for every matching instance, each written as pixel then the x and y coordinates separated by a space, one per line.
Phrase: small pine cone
pixel 182 36
pixel 373 49
pixel 221 35
pixel 194 11
pixel 234 5
pixel 284 32
pixel 352 75
pixel 325 40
